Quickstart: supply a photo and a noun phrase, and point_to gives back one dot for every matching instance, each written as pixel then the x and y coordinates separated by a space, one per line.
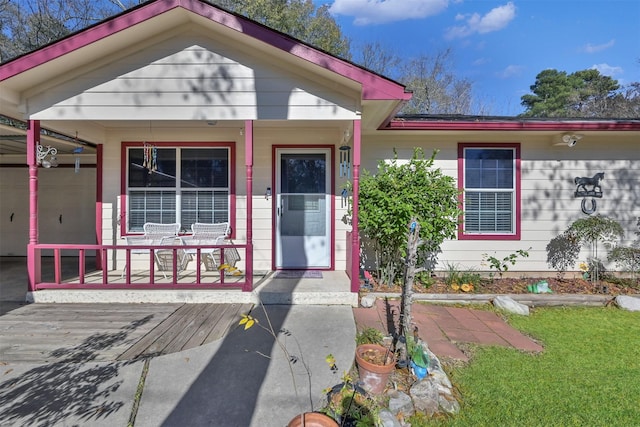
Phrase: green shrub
pixel 393 196
pixel 369 336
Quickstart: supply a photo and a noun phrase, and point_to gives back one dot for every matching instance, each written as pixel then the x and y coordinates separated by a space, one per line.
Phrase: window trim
pixel 125 145
pixel 517 190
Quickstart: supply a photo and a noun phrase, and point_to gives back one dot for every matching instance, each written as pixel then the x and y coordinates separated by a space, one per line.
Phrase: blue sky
pixel 502 45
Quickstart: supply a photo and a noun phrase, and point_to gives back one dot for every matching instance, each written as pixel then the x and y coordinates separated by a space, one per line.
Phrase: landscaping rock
pixel 434 393
pixel 508 304
pixel 387 419
pixel 368 301
pixel 424 394
pixel 441 378
pixel 400 403
pixel 449 404
pixel 628 303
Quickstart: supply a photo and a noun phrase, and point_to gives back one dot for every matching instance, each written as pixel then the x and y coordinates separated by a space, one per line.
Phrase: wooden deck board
pixel 223 325
pixel 211 316
pixel 180 322
pixel 142 346
pixel 48 333
pixel 189 326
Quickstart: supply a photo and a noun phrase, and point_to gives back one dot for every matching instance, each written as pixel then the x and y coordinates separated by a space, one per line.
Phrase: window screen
pixel 489 191
pixel 183 185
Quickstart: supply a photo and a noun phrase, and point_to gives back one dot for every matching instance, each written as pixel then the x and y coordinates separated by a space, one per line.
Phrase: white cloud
pixel 607 70
pixel 367 12
pixel 593 48
pixel 511 71
pixel 495 20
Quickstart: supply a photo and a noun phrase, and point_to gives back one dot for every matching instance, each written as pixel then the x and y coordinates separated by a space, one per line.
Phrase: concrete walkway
pixel 242 380
pixel 443 327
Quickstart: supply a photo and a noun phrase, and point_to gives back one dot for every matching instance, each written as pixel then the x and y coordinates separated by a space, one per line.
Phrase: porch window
pixel 177 184
pixel 490 183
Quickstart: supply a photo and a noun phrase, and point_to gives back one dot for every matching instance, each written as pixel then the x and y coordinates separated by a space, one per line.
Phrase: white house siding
pixel 191 77
pixel 66 207
pixel 548 205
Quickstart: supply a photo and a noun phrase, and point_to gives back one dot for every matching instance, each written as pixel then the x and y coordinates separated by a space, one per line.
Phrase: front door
pixel 303 208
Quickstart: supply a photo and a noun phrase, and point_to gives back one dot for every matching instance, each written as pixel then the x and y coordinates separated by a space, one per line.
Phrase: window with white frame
pixel 490 190
pixel 177 184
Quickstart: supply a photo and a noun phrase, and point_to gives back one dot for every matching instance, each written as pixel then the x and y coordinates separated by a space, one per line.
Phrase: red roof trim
pixel 373 85
pixel 85 38
pixel 522 125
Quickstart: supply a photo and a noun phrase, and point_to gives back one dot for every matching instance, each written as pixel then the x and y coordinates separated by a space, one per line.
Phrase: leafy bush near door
pixel 398 192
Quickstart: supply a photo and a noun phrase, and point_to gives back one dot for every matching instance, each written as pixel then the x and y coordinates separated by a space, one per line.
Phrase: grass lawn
pixel 588 375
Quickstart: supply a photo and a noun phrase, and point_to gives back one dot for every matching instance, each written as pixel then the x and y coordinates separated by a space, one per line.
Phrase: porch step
pixel 333 288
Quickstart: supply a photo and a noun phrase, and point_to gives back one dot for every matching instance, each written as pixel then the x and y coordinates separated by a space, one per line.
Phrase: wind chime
pixel 345 157
pixel 345 165
pixel 76 153
pixel 150 157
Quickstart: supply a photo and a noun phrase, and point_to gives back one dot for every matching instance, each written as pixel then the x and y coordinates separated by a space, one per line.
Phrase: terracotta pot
pixel 374 376
pixel 312 419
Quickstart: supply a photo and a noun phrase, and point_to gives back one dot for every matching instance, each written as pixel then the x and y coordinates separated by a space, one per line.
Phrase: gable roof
pixel 163 14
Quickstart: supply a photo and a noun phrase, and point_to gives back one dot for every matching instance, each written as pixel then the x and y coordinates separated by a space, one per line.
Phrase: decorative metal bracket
pixel 42 153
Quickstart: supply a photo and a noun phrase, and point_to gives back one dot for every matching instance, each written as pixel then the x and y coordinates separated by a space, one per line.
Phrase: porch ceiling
pixel 13 142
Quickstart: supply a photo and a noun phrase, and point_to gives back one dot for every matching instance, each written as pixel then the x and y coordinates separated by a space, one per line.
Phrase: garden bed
pixel 519 286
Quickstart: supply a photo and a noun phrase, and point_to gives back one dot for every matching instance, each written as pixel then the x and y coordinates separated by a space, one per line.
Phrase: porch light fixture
pixel 41 156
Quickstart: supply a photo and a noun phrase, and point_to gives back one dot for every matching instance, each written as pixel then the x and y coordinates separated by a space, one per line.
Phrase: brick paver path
pixel 442 327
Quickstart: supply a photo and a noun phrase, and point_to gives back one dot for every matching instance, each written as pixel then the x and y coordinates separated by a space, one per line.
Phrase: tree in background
pixel 297 18
pixel 26 25
pixel 436 88
pixel 378 58
pixel 585 93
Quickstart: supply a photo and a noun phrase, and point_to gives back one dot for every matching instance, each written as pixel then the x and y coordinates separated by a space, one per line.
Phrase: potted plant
pixel 350 405
pixel 312 419
pixel 375 364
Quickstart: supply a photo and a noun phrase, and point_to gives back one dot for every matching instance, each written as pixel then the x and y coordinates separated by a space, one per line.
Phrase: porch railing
pixel 107 277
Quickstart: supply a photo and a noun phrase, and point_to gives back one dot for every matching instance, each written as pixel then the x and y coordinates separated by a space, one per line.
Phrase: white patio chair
pixel 212 234
pixel 158 234
pixel 164 257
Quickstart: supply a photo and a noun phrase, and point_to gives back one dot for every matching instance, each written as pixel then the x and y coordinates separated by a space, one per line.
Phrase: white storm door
pixel 303 208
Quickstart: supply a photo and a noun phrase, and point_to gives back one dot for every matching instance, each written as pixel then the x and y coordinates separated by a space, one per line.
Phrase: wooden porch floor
pixel 49 333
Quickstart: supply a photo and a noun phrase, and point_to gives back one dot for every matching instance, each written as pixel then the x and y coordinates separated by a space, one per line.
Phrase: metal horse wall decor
pixel 595 191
